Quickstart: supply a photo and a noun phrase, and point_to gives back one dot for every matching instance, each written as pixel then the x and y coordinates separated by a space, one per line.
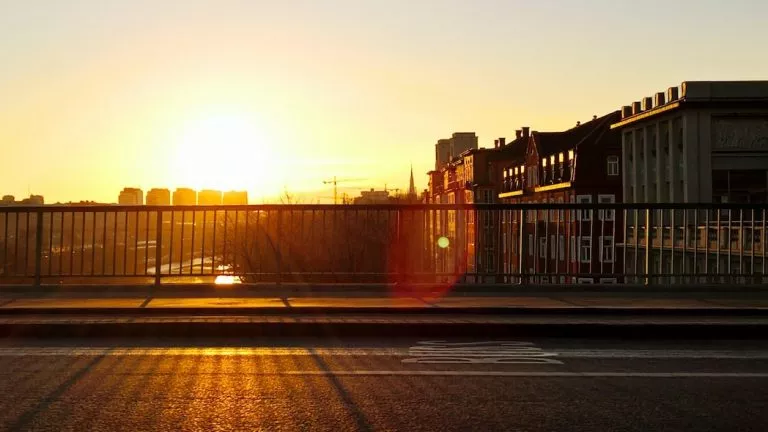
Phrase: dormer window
pixel 570 155
pixel 561 158
pixel 544 163
pixel 552 160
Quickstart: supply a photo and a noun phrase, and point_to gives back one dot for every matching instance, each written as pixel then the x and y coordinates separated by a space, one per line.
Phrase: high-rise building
pixel 184 196
pixel 235 198
pixel 131 196
pixel 209 197
pixel 447 149
pixel 159 197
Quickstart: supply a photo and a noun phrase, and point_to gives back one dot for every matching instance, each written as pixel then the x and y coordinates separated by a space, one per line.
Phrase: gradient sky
pixel 266 95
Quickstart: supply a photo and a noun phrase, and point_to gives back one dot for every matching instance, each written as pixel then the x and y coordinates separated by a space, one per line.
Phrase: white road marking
pixel 528 353
pixel 481 352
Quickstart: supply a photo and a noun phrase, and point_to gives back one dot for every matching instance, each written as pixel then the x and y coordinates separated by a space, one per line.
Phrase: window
pixel 613 165
pixel 530 244
pixel 606 215
pixel 607 251
pixel 585 251
pixel 570 155
pixel 586 281
pixel 561 158
pixel 542 247
pixel 584 215
pixel 608 280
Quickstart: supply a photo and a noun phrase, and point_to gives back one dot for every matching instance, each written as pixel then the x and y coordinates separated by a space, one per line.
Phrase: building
pixel 209 197
pixel 447 149
pixel 373 197
pixel 8 200
pixel 465 179
pixel 131 196
pixel 702 142
pixel 159 197
pixel 706 141
pixel 412 195
pixel 184 196
pixel 236 198
pixel 579 165
pixel 33 200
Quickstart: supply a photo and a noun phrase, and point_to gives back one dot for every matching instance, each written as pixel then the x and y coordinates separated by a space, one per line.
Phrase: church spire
pixel 412 185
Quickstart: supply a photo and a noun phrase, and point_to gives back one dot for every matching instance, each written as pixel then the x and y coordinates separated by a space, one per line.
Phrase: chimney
pixel 495 143
pixel 672 94
pixel 626 111
pixel 594 117
pixel 526 131
pixel 658 99
pixel 518 134
pixel 578 123
pixel 502 142
pixel 647 103
pixel 636 108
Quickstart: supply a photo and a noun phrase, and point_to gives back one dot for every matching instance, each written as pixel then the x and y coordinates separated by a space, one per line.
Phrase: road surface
pixel 365 384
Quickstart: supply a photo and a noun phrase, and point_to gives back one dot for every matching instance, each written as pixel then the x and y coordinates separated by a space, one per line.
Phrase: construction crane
pixel 335 181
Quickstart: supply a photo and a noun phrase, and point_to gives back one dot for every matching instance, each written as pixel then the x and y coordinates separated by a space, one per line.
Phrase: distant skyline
pixel 267 96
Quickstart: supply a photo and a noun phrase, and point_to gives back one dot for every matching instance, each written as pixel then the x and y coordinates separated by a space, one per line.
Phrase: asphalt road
pixel 409 385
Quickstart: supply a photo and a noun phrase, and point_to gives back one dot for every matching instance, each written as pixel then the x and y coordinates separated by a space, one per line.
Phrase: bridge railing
pixel 473 244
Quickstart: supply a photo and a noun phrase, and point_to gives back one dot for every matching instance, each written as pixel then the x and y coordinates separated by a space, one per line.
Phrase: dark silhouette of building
pixel 209 197
pixel 159 197
pixel 236 198
pixel 131 196
pixel 184 196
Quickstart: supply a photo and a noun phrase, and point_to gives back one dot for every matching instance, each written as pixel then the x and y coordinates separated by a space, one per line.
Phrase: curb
pixel 382 330
pixel 384 310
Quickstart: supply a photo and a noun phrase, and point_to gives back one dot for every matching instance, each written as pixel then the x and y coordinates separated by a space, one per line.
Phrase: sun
pixel 225 152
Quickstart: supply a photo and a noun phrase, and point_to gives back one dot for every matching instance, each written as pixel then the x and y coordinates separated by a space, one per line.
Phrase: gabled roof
pixel 513 150
pixel 549 143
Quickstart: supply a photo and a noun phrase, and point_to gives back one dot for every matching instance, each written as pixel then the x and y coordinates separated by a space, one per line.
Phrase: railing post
pixel 278 250
pixel 38 246
pixel 648 266
pixel 158 246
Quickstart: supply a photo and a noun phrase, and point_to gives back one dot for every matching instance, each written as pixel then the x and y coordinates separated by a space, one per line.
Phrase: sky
pixel 274 96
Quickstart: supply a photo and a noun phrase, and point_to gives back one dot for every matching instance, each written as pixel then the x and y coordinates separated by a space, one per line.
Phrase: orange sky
pixel 256 95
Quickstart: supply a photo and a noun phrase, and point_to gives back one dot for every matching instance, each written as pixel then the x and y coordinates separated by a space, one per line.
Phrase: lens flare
pixel 443 242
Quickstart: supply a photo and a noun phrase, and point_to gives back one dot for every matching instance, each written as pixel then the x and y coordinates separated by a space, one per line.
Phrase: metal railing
pixel 474 244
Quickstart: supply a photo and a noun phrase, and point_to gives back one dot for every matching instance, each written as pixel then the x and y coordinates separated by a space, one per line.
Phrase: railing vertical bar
pixel 50 243
pixel 592 244
pixel 159 247
pixel 278 238
pixel 536 246
pixel 213 241
pixel 763 241
pixel 742 234
pixel 202 242
pixel 27 240
pixel 192 243
pixel 224 254
pixel 730 245
pixel 61 246
pixel 648 264
pixel 146 244
pixel 705 236
pixel 614 255
pixel 93 243
pixel 684 255
pixel 104 246
pixel 125 244
pixel 16 244
pixel 520 244
pixel 5 242
pixel 170 242
pixel 660 235
pixel 181 241
pixel 234 239
pixel 38 246
pixel 717 246
pixel 672 246
pixel 625 235
pixel 600 240
pixel 114 244
pixel 136 243
pixel 547 246
pixel 752 232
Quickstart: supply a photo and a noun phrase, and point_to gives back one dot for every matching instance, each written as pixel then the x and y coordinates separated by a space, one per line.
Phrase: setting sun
pixel 225 151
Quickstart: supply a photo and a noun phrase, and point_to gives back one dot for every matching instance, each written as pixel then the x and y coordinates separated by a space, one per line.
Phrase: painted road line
pixel 539 374
pixel 480 352
pixel 392 352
